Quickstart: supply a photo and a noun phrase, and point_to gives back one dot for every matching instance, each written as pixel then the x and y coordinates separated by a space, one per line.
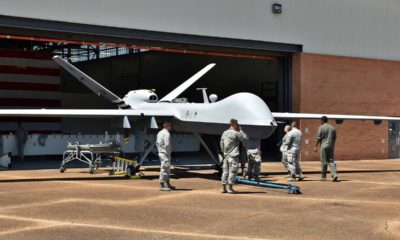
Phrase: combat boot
pixel 168 185
pixel 244 172
pixel 335 178
pixel 223 188
pixel 163 187
pixel 292 177
pixel 301 177
pixel 230 189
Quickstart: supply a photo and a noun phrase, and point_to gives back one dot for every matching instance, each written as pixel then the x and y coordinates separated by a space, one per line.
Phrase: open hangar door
pixel 242 66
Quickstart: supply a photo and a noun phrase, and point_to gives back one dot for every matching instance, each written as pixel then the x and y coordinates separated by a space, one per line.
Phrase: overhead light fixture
pixel 277 8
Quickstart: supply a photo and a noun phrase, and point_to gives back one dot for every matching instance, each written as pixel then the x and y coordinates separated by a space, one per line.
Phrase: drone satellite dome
pixel 213 97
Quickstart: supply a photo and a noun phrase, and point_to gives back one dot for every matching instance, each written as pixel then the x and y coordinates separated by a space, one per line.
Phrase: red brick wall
pixel 345 85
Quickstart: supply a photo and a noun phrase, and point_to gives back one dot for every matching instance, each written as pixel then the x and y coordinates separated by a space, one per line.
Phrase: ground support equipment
pixel 91 154
pixel 125 166
pixel 292 189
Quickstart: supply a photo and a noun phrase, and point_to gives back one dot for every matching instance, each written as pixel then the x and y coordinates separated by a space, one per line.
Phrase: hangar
pixel 311 57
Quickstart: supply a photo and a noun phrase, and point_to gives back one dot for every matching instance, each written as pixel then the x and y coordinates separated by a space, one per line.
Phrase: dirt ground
pixel 45 204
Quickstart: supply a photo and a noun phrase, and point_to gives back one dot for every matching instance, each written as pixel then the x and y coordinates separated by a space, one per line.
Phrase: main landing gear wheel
pixel 62 169
pixel 130 171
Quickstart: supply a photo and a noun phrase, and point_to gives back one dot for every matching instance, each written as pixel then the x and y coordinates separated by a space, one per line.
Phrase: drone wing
pixel 181 88
pixel 89 82
pixel 83 113
pixel 376 119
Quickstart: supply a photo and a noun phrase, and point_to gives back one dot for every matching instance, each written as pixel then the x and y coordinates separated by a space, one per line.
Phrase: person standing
pixel 164 152
pixel 21 136
pixel 243 160
pixel 253 158
pixel 293 152
pixel 326 138
pixel 283 148
pixel 230 141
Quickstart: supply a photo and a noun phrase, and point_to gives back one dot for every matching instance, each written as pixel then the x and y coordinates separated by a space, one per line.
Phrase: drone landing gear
pixel 217 163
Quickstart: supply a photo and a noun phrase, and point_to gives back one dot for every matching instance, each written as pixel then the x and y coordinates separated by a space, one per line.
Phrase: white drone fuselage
pixel 253 114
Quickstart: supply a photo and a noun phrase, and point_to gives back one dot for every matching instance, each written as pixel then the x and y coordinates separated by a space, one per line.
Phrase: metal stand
pixel 91 157
pixel 292 189
pixel 82 156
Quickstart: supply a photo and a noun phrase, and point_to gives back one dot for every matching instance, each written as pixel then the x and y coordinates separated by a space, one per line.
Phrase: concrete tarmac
pixel 45 204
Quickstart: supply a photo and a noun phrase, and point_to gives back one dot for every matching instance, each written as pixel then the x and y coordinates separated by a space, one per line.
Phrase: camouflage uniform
pixel 283 150
pixel 230 147
pixel 293 142
pixel 243 160
pixel 254 158
pixel 326 135
pixel 164 152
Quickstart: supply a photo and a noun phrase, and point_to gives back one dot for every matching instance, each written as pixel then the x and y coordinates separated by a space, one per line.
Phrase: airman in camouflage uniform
pixel 284 147
pixel 253 158
pixel 293 142
pixel 230 141
pixel 163 143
